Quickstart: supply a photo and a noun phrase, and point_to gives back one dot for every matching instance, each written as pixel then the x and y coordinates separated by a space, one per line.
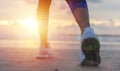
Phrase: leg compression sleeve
pixel 74 4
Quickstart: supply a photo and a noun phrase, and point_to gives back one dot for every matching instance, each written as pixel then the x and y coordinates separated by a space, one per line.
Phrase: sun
pixel 30 23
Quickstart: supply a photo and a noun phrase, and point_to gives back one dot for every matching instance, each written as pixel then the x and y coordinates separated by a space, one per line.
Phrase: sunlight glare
pixel 30 23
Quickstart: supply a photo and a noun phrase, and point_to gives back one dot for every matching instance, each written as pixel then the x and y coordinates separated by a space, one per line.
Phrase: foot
pixel 90 48
pixel 44 52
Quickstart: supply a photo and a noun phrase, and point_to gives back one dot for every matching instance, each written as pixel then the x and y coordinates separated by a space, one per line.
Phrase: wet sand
pixel 65 58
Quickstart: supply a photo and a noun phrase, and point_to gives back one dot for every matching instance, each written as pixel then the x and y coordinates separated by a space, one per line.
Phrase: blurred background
pixel 18 23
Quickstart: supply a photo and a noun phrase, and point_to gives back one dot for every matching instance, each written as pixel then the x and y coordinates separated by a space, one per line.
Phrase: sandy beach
pixel 65 58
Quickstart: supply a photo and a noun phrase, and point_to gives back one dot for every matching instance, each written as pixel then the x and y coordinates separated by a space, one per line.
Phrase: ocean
pixel 107 42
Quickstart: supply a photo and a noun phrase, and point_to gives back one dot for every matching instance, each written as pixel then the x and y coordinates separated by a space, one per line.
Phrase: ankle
pixel 45 44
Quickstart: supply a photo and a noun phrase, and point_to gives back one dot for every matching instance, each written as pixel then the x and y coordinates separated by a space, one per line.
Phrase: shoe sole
pixel 90 48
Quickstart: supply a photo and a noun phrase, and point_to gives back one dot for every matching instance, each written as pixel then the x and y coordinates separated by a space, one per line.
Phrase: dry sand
pixel 67 59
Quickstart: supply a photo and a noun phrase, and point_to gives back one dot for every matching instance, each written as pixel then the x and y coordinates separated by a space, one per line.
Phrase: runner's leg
pixel 43 18
pixel 80 12
pixel 89 44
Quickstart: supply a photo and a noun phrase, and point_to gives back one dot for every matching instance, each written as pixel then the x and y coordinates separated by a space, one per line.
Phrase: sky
pixel 104 17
